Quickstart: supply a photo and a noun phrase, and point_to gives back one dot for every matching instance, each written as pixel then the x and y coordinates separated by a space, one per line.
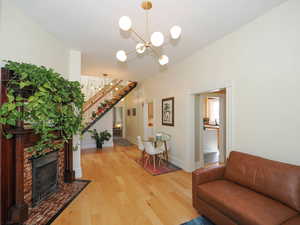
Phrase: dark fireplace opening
pixel 44 176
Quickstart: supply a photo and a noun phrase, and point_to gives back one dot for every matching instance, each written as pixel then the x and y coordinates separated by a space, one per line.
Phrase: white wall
pixel 21 39
pixel 262 61
pixel 134 124
pixel 105 123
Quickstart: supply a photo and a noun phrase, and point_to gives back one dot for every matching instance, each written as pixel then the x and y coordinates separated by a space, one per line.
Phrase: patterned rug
pixel 199 221
pixel 122 142
pixel 165 167
pixel 50 208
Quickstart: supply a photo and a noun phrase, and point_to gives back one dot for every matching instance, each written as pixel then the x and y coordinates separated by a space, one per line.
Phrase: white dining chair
pixel 165 144
pixel 140 143
pixel 152 152
pixel 141 147
pixel 165 147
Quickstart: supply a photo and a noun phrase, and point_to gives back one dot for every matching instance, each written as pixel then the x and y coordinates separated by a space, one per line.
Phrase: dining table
pixel 158 141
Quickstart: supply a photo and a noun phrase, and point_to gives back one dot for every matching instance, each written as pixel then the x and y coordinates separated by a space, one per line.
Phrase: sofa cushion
pixel 216 216
pixel 244 205
pixel 278 180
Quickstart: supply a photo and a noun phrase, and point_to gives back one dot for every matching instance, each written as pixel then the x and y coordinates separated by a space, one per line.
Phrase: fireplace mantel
pixel 13 209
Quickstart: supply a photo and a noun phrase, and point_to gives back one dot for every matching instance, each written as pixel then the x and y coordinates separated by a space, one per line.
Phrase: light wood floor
pixel 123 193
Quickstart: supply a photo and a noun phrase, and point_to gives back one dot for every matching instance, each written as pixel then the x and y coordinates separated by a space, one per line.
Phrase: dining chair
pixel 141 147
pixel 152 152
pixel 165 147
pixel 165 144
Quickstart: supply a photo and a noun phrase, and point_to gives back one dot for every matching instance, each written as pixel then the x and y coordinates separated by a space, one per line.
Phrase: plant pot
pixel 99 145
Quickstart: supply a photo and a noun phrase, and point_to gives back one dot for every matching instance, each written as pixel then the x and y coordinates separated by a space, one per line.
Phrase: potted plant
pixel 51 105
pixel 100 109
pixel 100 137
pixel 103 104
pixel 94 115
pixel 107 103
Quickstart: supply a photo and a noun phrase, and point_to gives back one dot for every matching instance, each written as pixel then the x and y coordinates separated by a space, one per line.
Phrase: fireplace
pixel 44 176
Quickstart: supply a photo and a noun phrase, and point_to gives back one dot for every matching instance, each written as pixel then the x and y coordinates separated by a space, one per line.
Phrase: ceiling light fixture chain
pixel 157 39
pixel 147 24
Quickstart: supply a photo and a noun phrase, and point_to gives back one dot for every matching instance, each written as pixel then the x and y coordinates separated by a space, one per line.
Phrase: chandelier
pixel 154 41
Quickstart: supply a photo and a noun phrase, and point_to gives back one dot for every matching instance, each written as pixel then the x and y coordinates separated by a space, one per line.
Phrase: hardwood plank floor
pixel 123 193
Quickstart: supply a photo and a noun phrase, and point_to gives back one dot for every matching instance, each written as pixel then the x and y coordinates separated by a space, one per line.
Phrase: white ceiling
pixel 91 26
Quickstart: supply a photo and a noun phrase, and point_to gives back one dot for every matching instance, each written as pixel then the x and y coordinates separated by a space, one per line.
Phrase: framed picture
pixel 134 112
pixel 167 109
pixel 128 112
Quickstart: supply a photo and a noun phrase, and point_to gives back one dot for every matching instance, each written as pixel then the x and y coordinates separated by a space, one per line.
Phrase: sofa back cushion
pixel 277 180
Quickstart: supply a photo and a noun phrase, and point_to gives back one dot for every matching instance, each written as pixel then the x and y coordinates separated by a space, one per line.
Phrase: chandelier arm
pixel 147 24
pixel 131 52
pixel 167 43
pixel 155 52
pixel 142 39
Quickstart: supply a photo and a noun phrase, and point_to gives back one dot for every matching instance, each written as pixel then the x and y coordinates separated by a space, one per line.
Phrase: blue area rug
pixel 199 221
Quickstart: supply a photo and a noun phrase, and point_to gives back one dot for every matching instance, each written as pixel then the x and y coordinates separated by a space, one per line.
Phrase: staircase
pixel 100 94
pixel 104 100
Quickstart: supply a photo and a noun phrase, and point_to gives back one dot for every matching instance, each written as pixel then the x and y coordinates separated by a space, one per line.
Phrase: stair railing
pixel 100 94
pixel 114 96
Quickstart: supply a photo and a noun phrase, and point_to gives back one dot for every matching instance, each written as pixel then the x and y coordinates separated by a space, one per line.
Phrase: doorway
pixel 149 122
pixel 118 123
pixel 210 127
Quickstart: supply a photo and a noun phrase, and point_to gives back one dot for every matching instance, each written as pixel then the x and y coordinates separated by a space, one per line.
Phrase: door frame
pixel 190 162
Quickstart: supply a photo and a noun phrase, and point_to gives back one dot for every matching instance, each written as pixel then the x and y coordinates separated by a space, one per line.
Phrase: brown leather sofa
pixel 249 190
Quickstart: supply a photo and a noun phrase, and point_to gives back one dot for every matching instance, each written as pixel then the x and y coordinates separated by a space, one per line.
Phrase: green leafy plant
pixel 107 103
pixel 94 114
pixel 100 137
pixel 50 104
pixel 103 105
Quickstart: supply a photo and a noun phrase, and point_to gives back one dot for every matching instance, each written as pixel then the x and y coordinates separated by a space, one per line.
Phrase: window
pixel 213 110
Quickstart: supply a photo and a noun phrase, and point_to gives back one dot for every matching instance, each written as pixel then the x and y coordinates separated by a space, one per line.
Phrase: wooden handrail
pixel 99 95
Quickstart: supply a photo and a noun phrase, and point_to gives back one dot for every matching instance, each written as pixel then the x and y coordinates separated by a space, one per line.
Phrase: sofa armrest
pixel 293 221
pixel 205 175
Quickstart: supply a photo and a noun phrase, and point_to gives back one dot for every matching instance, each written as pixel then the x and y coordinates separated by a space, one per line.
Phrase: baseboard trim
pixel 94 145
pixel 177 162
pixel 78 173
pixel 198 165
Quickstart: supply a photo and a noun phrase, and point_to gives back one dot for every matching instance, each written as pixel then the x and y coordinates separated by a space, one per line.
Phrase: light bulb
pixel 163 60
pixel 157 39
pixel 175 32
pixel 121 56
pixel 140 48
pixel 125 23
